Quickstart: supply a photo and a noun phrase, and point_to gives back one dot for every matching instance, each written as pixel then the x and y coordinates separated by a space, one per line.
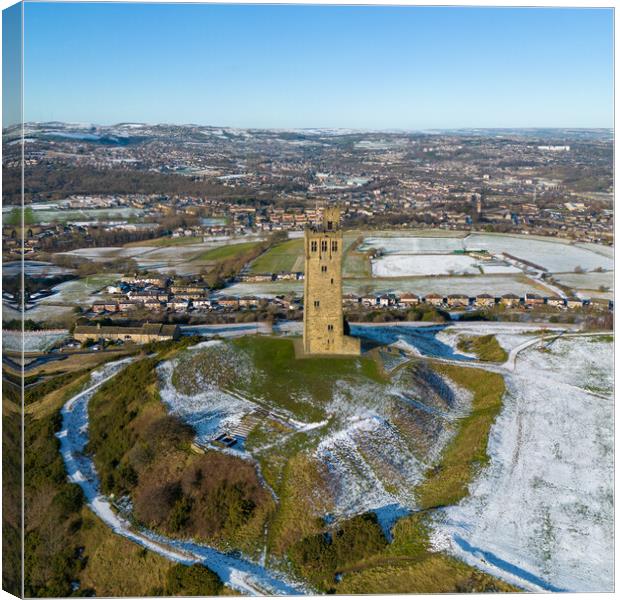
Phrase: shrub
pixel 193 580
pixel 69 499
pixel 319 557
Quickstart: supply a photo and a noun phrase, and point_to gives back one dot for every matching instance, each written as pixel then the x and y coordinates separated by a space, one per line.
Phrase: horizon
pixel 319 66
pixel 395 130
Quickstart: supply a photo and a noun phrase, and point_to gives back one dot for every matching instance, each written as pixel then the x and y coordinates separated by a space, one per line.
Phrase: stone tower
pixel 323 318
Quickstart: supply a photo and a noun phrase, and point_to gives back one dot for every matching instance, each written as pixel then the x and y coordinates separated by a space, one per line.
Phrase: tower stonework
pixel 323 317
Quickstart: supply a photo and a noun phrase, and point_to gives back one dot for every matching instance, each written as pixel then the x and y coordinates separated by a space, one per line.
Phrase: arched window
pixel 324 245
pixel 313 246
pixel 334 246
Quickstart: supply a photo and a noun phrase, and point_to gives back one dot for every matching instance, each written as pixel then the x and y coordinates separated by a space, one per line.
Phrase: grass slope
pixel 446 482
pixel 166 242
pixel 485 347
pixel 226 252
pixel 65 542
pixel 141 450
pixel 408 564
pixel 286 256
pixel 265 370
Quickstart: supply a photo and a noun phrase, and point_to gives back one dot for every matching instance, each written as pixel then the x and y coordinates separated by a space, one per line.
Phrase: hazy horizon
pixel 311 127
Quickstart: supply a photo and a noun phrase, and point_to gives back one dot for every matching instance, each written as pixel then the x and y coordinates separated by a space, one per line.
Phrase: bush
pixel 319 557
pixel 181 513
pixel 69 499
pixel 193 580
pixel 112 409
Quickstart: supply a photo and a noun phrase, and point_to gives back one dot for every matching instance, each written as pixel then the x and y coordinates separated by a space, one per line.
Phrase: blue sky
pixel 372 67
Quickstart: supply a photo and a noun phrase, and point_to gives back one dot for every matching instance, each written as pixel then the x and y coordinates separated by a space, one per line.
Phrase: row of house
pixel 176 304
pixel 261 277
pixel 148 332
pixel 403 301
pixel 480 301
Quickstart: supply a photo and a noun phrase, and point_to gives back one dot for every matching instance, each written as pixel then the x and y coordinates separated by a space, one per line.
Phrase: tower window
pixel 313 246
pixel 330 328
pixel 332 281
pixel 324 269
pixel 317 303
pixel 330 224
pixel 324 245
pixel 334 246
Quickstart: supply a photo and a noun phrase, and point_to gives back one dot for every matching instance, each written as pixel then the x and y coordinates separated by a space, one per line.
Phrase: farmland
pixel 286 256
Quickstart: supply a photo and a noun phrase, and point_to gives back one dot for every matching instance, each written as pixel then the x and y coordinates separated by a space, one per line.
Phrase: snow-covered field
pixel 403 265
pixel 33 341
pixel 413 245
pixel 32 268
pixel 89 215
pixel 80 292
pixel 598 248
pixel 497 268
pixel 372 464
pixel 557 256
pixel 40 312
pixel 107 254
pixel 541 513
pixel 468 284
pixel 589 282
pixel 181 258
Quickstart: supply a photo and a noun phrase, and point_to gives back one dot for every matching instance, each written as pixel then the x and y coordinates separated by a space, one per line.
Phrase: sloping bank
pixel 238 573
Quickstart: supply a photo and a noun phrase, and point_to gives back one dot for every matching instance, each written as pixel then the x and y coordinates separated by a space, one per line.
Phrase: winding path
pixel 238 573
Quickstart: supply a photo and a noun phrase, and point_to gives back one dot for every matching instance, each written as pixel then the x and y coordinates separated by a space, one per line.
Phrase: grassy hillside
pixel 265 369
pixel 229 251
pixel 408 564
pixel 286 256
pixel 446 482
pixel 141 450
pixel 65 543
pixel 485 347
pixel 166 242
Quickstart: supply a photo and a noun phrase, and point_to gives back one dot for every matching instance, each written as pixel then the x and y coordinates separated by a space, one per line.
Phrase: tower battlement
pixel 323 316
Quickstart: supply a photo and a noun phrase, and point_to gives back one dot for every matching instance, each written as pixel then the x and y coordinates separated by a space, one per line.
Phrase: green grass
pixel 166 241
pixel 286 256
pixel 225 252
pixel 287 377
pixel 485 347
pixel 356 264
pixel 36 392
pixel 447 481
pixel 265 369
pixel 605 338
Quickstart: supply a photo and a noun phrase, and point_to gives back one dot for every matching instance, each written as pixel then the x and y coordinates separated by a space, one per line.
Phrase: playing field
pixel 287 256
pixel 225 252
